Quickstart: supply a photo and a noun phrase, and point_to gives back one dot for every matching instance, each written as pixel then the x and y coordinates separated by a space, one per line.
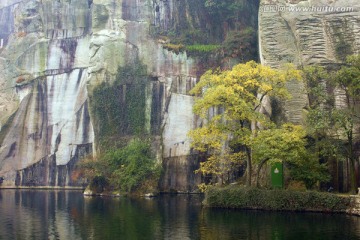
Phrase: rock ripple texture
pixel 307 32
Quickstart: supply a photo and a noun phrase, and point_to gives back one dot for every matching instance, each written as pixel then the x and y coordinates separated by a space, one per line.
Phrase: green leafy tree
pixel 229 104
pixel 287 144
pixel 321 120
pixel 333 124
pixel 226 9
pixel 348 80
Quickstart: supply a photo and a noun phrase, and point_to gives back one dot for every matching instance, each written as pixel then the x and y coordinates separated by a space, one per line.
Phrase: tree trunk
pixel 353 184
pixel 259 169
pixel 248 167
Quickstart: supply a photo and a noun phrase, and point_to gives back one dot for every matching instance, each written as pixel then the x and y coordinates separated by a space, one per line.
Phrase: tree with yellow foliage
pixel 229 103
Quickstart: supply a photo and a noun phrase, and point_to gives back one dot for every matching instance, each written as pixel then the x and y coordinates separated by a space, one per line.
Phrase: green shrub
pixel 201 48
pixel 228 8
pixel 177 48
pixel 132 165
pixel 241 44
pixel 343 49
pixel 283 200
pixel 99 184
pixel 125 169
pixel 191 36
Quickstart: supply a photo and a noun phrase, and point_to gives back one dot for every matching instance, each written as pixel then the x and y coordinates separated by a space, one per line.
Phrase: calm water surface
pixel 28 214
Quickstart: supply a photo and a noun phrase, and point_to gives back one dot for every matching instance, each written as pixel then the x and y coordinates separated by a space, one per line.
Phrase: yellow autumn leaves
pixel 229 103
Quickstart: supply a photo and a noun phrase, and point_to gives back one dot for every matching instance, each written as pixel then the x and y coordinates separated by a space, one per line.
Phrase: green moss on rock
pixel 119 108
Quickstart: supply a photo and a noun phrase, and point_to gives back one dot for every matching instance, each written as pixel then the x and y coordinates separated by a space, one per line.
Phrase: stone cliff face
pixel 53 53
pixel 305 32
pixel 58 58
pixel 45 122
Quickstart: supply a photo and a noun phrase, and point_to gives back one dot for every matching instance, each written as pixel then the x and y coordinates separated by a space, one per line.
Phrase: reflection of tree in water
pixel 167 217
pixel 115 218
pixel 237 224
pixel 68 215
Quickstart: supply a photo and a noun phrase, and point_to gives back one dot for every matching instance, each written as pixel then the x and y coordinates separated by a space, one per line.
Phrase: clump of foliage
pixel 343 46
pixel 279 200
pixel 197 50
pixel 229 10
pixel 343 49
pixel 332 124
pixel 177 48
pixel 119 107
pixel 241 44
pixel 289 145
pixel 201 48
pixel 127 169
pixel 189 37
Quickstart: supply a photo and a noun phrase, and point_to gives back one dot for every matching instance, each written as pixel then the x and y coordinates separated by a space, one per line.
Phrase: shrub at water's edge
pixel 278 200
pixel 131 169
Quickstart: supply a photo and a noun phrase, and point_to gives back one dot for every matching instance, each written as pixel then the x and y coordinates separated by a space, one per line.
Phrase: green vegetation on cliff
pixel 333 115
pixel 119 107
pixel 238 44
pixel 124 161
pixel 199 26
pixel 132 168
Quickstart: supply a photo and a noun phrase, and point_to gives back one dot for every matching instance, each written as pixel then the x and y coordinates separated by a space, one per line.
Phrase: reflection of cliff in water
pixel 36 215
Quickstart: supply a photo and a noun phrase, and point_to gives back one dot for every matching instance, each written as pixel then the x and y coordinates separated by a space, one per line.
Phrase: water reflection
pixel 35 215
pixel 220 224
pixel 30 214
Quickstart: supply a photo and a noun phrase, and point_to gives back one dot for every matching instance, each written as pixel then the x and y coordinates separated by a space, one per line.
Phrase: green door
pixel 277 179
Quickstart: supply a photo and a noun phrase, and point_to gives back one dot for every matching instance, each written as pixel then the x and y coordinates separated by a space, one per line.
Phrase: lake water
pixel 29 214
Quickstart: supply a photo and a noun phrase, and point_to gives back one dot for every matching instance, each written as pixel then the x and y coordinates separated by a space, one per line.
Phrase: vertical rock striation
pixel 307 32
pixel 55 53
pixel 46 121
pixel 56 59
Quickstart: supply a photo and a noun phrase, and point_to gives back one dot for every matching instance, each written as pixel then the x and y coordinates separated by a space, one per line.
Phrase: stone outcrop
pixel 355 205
pixel 306 32
pixel 44 110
